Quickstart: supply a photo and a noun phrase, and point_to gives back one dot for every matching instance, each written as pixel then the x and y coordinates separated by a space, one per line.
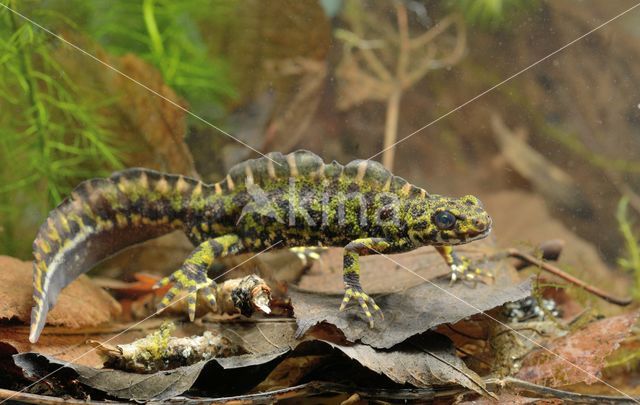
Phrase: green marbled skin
pixel 296 201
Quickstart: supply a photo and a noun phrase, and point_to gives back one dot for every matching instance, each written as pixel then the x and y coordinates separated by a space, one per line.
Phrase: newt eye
pixel 445 220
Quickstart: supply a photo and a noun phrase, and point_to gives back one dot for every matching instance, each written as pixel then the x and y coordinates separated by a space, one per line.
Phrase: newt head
pixel 438 220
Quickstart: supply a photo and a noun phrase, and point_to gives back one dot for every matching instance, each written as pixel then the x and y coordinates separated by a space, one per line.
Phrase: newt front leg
pixel 461 267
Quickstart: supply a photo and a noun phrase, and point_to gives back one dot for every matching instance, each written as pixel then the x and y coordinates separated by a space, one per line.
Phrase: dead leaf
pixel 143 119
pixel 79 305
pixel 407 313
pixel 424 361
pixel 584 349
pixel 158 386
pixel 421 362
pixel 290 372
pixel 64 343
pixel 161 123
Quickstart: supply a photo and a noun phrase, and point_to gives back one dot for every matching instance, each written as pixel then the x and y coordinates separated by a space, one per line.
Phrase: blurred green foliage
pixel 169 35
pixel 491 14
pixel 52 133
pixel 631 262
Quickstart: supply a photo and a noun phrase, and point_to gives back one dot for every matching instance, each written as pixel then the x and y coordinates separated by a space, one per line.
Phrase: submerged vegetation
pixel 167 34
pixel 50 137
pixel 631 261
pixel 492 14
pixel 54 131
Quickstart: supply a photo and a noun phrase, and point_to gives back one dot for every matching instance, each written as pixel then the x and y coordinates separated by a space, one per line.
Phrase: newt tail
pixel 100 218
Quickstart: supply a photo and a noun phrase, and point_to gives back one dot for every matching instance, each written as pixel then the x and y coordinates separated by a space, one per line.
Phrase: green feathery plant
pixel 50 138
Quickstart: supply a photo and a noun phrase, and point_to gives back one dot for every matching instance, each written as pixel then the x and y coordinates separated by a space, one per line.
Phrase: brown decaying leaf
pixel 79 305
pixel 267 343
pixel 587 348
pixel 121 384
pixel 150 128
pixel 63 343
pixel 421 362
pixel 161 123
pixel 408 312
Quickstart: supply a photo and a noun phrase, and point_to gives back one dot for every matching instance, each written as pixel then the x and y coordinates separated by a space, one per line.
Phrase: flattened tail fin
pixel 100 218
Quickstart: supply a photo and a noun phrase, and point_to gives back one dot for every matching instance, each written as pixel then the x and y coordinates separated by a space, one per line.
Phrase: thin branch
pixel 366 48
pixel 558 272
pixel 391 127
pixel 404 45
pixel 547 392
pixel 459 49
pixel 424 39
pixel 426 64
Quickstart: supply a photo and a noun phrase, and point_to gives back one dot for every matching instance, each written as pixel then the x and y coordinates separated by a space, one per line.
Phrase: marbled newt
pixel 280 200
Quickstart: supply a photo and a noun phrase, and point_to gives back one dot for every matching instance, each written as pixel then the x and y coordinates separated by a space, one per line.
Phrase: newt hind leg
pixel 192 275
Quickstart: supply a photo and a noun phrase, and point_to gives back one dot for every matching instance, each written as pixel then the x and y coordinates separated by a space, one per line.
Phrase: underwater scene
pixel 319 201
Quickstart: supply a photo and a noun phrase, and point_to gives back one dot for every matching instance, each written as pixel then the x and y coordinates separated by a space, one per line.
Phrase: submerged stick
pixel 565 276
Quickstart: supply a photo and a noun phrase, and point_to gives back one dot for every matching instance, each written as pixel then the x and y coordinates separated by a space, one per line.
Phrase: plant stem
pixel 391 127
pixel 157 47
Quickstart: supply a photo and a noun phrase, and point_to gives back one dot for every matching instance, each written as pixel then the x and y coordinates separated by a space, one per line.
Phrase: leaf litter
pixel 401 350
pixel 82 304
pixel 587 348
pixel 406 313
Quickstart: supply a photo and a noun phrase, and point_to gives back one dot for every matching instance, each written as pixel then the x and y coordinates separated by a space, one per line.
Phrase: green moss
pixel 153 347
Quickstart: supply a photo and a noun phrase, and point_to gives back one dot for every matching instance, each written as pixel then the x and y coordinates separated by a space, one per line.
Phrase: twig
pixel 393 102
pixel 557 272
pixel 18 396
pixel 547 392
pixel 391 127
pixel 424 39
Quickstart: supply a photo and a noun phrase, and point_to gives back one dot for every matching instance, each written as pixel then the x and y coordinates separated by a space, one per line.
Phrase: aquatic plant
pixel 50 137
pixel 167 34
pixel 631 262
pixel 490 14
pixel 383 69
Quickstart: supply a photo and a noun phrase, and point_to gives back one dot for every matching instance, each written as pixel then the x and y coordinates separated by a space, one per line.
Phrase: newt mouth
pixel 479 234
